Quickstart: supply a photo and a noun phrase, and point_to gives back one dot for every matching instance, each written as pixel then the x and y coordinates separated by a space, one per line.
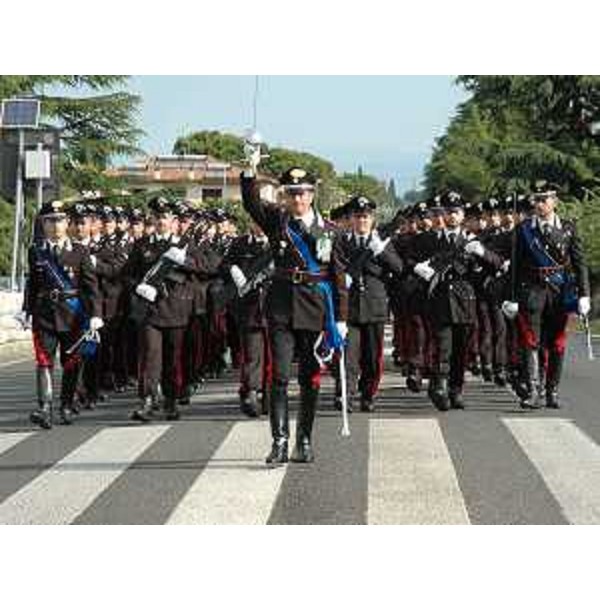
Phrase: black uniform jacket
pixel 295 300
pixel 175 302
pixel 451 295
pixel 563 244
pixel 368 277
pixel 49 308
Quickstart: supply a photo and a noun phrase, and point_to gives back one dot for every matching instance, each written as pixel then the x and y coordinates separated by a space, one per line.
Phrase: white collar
pixel 555 222
pixel 66 245
pixel 161 238
pixel 308 219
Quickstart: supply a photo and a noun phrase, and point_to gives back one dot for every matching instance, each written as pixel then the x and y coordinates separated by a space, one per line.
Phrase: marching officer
pixel 370 264
pixel 453 255
pixel 307 299
pixel 552 282
pixel 61 300
pixel 249 260
pixel 162 306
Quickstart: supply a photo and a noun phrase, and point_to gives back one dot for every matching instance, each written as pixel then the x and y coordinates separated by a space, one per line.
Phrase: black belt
pixel 56 295
pixel 300 277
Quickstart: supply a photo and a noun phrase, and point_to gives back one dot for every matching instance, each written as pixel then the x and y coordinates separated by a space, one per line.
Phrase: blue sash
pixel 561 279
pixel 61 280
pixel 333 339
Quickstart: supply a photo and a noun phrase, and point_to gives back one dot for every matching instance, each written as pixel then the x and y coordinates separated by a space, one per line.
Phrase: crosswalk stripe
pixel 236 487
pixel 568 462
pixel 411 475
pixel 9 440
pixel 62 492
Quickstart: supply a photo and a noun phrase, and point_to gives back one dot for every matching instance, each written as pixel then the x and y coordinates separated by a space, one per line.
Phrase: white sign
pixel 37 164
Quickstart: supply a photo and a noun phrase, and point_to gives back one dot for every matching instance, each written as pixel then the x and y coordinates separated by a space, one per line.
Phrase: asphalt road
pixel 405 463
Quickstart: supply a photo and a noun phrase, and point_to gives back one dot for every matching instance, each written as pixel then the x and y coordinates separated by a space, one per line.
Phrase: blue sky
pixel 386 124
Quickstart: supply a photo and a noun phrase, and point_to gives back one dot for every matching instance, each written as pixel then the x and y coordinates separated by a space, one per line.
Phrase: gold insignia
pixel 297 173
pixel 57 204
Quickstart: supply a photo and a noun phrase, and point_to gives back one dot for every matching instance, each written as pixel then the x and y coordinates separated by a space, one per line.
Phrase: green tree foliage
pixel 514 130
pixel 98 123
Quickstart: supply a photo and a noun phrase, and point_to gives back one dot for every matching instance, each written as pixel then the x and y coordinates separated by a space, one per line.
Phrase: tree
pixel 97 125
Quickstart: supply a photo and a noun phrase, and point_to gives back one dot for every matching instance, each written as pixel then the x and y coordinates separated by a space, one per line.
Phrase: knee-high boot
pixel 555 366
pixel 280 426
pixel 42 415
pixel 309 398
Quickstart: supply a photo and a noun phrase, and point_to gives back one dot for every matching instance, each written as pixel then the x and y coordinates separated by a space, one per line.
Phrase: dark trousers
pixel 161 361
pixel 492 334
pixel 284 340
pixel 452 344
pixel 364 359
pixel 45 345
pixel 542 323
pixel 255 371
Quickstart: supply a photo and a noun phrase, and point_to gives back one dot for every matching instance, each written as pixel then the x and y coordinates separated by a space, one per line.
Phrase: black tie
pixel 362 242
pixel 452 238
pixel 56 252
pixel 546 229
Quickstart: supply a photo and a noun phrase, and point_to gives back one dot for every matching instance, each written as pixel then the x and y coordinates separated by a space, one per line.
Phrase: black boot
pixel 249 405
pixel 414 382
pixel 456 398
pixel 438 392
pixel 42 416
pixel 367 404
pixel 555 366
pixel 487 373
pixel 530 390
pixel 280 426
pixel 500 378
pixel 170 409
pixel 66 412
pixel 145 412
pixel 264 402
pixel 303 451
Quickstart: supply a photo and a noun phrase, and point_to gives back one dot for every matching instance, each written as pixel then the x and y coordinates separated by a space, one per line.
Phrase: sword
pixel 588 336
pixel 345 431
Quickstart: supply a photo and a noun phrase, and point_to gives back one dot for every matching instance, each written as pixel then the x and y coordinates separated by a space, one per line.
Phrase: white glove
pixel 96 323
pixel 93 260
pixel 505 266
pixel 475 247
pixel 238 277
pixel 23 319
pixel 147 292
pixel 342 328
pixel 348 281
pixel 377 245
pixel 252 150
pixel 424 270
pixel 510 309
pixel 584 306
pixel 176 255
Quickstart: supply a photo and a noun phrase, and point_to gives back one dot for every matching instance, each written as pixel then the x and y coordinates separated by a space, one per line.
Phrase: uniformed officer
pixel 61 299
pixel 249 260
pixel 370 263
pixel 162 305
pixel 453 255
pixel 307 297
pixel 552 282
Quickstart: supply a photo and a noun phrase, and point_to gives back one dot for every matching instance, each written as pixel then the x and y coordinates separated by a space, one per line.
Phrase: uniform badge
pixel 324 247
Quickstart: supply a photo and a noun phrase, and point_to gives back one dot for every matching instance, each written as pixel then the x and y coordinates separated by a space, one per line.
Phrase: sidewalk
pixel 15 343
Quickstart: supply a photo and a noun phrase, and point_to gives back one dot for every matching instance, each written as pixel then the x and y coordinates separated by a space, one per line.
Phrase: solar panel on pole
pixel 20 113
